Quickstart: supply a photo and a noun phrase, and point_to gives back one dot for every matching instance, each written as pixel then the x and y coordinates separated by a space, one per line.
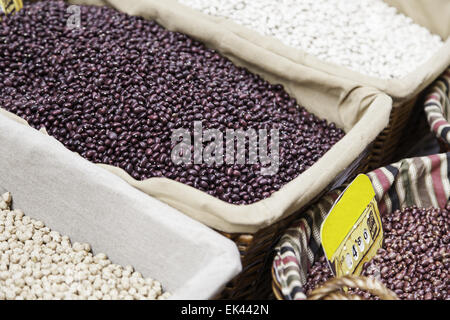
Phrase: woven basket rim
pixel 386 294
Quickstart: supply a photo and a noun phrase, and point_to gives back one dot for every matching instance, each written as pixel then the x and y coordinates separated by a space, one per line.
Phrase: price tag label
pixel 352 232
pixel 10 6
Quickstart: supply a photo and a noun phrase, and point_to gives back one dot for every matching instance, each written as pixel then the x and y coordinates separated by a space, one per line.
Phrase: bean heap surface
pixel 367 36
pixel 38 263
pixel 116 88
pixel 414 261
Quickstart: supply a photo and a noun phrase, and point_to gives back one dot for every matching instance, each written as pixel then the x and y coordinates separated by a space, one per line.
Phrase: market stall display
pixel 367 36
pixel 413 197
pixel 327 155
pixel 116 97
pixel 265 52
pixel 152 131
pixel 39 263
pixel 414 260
pixel 90 205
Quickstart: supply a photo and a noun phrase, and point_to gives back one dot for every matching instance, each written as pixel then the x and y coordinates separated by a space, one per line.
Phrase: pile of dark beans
pixel 114 89
pixel 414 261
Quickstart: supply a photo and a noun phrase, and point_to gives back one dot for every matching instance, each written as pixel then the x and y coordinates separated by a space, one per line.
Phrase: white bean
pixel 38 263
pixel 367 36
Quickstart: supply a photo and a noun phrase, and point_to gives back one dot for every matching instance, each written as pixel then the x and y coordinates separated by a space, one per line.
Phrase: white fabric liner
pixel 89 204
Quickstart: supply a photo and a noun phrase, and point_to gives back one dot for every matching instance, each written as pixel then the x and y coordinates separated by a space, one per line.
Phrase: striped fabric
pixel 299 247
pixel 437 107
pixel 422 181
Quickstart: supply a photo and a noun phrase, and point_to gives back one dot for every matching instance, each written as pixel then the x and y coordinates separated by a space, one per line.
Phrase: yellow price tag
pixel 11 6
pixel 352 232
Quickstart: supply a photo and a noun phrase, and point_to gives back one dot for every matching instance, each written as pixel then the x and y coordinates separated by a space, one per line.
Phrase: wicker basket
pixel 302 243
pixel 333 289
pixel 257 249
pixel 253 282
pixel 393 136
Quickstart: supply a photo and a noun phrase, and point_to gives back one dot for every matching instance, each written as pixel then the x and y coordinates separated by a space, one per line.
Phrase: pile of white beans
pixel 37 263
pixel 366 36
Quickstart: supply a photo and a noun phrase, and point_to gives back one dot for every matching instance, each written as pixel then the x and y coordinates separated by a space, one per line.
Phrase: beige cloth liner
pixel 277 62
pixel 432 14
pixel 81 200
pixel 361 111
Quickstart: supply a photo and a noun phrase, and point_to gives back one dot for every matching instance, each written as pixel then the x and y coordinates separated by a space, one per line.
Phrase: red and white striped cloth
pixel 424 182
pixel 437 107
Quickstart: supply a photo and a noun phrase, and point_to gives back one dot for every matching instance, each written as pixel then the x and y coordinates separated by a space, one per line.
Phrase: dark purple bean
pixel 114 89
pixel 411 273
